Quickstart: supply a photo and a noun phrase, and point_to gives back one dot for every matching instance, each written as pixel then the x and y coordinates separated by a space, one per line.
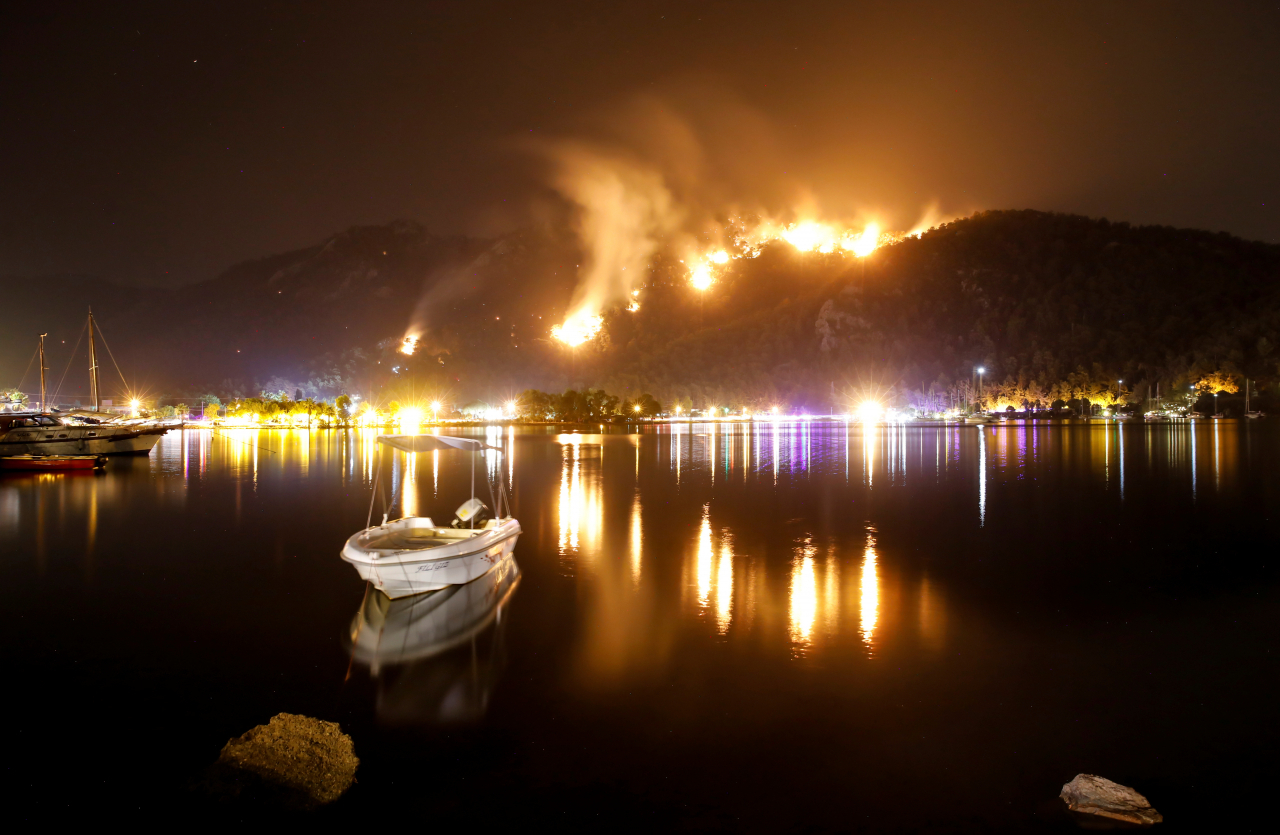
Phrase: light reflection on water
pixel 804 595
pixel 870 609
pixel 833 587
pixel 696 590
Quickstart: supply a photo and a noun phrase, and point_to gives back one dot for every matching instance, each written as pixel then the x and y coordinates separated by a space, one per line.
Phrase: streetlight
pixel 435 410
pixel 981 371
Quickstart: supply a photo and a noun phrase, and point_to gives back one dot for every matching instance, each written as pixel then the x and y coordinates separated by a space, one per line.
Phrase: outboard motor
pixel 472 509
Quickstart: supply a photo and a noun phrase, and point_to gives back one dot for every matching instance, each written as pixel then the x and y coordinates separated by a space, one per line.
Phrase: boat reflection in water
pixel 436 656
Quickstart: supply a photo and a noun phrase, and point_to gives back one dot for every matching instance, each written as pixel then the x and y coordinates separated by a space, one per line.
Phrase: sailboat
pixel 76 433
pixel 1247 411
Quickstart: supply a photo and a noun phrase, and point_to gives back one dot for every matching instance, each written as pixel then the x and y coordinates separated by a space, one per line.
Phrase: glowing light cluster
pixel 409 345
pixel 809 235
pixel 578 328
pixel 805 236
pixel 864 244
pixel 703 277
pixel 870 411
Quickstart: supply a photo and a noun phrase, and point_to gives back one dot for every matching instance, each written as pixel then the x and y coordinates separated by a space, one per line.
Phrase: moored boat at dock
pixel 79 432
pixel 51 463
pixel 48 435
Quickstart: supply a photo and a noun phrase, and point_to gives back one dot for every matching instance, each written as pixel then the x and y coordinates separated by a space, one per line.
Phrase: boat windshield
pixel 20 423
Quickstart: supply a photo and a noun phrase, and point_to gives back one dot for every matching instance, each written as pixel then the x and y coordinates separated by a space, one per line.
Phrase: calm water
pixel 763 628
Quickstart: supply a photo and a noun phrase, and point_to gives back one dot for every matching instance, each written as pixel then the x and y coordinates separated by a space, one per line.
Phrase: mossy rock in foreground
pixel 296 762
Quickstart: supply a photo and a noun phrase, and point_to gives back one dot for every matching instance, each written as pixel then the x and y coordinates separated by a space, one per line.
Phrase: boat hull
pixel 51 463
pixel 406 572
pixel 410 629
pixel 79 442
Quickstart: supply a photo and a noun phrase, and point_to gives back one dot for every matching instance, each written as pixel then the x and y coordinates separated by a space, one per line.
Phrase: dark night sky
pixel 160 143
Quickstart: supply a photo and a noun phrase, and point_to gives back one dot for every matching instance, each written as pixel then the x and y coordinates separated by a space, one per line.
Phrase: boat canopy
pixel 431 443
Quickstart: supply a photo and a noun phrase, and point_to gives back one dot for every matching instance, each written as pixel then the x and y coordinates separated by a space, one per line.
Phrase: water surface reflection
pixel 694 600
pixel 437 657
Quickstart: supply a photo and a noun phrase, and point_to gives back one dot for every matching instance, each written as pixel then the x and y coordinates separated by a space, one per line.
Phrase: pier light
pixel 636 408
pixel 677 410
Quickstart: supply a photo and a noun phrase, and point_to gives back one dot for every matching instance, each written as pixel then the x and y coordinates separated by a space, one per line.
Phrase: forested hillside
pixel 1050 306
pixel 1045 303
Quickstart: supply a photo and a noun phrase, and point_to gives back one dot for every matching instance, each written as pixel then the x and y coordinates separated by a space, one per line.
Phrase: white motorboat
pixel 977 417
pixel 436 657
pixel 413 555
pixel 388 632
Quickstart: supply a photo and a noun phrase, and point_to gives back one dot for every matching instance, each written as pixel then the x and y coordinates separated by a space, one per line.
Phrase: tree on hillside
pixel 533 405
pixel 649 407
pixel 1218 382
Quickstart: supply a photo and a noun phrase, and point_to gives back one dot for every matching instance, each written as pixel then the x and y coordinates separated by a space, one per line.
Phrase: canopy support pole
pixel 377 481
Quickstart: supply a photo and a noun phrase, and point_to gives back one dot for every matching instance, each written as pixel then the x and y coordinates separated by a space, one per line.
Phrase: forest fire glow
pixel 809 235
pixel 805 236
pixel 578 328
pixel 702 277
pixel 864 244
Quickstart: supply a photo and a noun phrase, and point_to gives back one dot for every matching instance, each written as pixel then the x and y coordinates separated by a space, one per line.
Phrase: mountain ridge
pixel 1029 296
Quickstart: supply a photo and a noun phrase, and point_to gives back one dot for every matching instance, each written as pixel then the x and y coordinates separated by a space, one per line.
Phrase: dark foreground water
pixel 790 628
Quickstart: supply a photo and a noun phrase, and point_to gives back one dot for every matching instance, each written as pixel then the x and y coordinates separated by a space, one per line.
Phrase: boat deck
pixel 418 538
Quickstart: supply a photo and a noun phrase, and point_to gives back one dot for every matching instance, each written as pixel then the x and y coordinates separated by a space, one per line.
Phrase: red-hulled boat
pixel 52 463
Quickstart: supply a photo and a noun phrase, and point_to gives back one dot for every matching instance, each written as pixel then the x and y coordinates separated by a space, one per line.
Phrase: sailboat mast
pixel 44 406
pixel 94 394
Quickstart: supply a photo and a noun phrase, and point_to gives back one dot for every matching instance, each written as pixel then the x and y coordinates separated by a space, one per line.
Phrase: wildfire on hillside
pixel 747 240
pixel 805 236
pixel 578 328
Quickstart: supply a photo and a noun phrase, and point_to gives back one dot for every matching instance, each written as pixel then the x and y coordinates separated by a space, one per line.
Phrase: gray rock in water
pixel 292 761
pixel 1097 803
